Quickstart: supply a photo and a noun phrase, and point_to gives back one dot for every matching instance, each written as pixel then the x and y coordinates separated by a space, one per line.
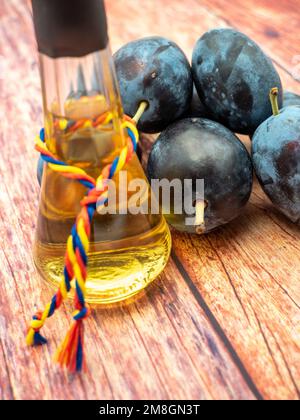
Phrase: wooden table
pixel 222 321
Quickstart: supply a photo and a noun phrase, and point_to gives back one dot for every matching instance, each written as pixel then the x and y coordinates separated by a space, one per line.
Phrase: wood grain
pixel 253 291
pixel 222 322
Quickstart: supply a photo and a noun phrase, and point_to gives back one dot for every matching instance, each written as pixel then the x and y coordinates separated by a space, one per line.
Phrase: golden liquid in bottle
pixel 127 252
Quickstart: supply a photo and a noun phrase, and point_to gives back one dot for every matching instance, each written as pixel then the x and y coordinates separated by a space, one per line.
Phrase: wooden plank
pixel 248 276
pixel 274 25
pixel 6 389
pixel 247 273
pixel 161 345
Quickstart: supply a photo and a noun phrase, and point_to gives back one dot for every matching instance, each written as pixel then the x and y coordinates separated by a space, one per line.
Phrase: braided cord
pixel 71 354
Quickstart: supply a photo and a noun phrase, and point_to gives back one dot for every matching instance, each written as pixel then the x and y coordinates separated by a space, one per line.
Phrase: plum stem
pixel 142 108
pixel 274 100
pixel 200 210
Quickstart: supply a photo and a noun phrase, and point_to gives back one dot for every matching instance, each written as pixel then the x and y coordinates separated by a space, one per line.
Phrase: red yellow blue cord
pixel 71 352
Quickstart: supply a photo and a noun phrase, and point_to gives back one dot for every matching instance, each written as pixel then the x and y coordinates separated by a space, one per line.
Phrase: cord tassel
pixel 70 355
pixel 33 334
pixel 71 352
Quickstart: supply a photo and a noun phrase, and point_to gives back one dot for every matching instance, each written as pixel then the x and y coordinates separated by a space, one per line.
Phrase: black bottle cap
pixel 70 28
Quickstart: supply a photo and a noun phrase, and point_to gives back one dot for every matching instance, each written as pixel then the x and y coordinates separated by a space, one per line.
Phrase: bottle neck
pixel 77 94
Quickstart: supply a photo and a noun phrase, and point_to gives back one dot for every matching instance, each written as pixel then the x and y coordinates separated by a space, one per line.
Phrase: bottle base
pixel 113 275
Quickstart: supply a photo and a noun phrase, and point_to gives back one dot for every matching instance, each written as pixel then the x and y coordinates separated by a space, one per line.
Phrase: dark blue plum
pixel 290 99
pixel 196 148
pixel 40 170
pixel 276 158
pixel 154 70
pixel 233 78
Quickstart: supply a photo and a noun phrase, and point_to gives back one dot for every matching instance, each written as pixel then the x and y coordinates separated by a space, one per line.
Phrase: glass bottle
pixel 128 251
